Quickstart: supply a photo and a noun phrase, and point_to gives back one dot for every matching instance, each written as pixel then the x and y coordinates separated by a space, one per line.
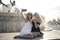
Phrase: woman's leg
pixel 27 36
pixel 41 34
pixel 37 34
pixel 30 36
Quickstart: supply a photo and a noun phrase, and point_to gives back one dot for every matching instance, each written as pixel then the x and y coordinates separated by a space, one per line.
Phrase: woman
pixel 26 30
pixel 35 28
pixel 27 27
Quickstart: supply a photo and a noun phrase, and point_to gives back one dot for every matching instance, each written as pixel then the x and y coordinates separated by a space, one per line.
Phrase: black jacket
pixel 33 29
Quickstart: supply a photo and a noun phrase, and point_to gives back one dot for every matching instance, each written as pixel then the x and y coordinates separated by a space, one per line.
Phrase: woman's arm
pixel 23 16
pixel 38 17
pixel 38 20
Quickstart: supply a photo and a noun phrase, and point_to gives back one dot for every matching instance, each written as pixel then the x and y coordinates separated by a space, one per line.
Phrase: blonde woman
pixel 35 28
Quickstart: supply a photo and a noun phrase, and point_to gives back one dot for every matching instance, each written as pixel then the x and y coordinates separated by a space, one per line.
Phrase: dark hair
pixel 38 23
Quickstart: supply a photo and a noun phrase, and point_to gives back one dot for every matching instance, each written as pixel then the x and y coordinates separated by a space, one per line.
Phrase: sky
pixel 48 8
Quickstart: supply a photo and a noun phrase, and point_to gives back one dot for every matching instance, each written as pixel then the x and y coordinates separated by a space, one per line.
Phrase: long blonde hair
pixel 38 17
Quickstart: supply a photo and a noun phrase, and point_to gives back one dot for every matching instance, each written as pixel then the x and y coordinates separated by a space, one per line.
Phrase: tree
pixel 12 3
pixel 2 3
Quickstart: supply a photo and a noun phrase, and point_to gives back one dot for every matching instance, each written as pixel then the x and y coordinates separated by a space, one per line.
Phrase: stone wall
pixel 10 22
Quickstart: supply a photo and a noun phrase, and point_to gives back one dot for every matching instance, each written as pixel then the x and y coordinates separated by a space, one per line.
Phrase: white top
pixel 26 29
